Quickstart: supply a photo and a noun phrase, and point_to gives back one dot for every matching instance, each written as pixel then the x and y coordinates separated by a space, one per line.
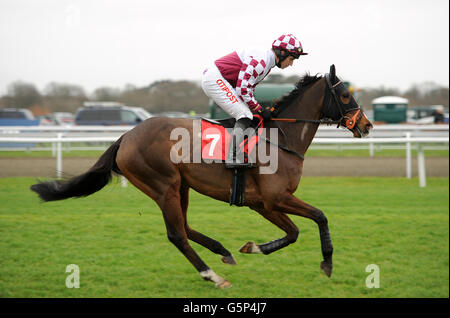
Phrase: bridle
pixel 335 90
pixel 333 109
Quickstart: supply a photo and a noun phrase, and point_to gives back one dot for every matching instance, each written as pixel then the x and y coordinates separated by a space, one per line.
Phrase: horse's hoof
pixel 250 248
pixel 247 248
pixel 223 285
pixel 220 282
pixel 327 268
pixel 229 260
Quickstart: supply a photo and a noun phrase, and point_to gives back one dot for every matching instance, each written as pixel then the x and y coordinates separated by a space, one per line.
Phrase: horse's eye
pixel 346 95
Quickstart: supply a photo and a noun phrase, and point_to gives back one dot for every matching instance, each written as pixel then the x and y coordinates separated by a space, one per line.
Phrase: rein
pixel 349 123
pixel 330 88
pixel 327 121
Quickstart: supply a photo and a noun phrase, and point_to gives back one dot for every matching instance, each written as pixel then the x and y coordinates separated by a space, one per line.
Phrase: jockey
pixel 231 82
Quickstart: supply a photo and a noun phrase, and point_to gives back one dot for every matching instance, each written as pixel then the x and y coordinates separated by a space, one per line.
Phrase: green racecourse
pixel 117 238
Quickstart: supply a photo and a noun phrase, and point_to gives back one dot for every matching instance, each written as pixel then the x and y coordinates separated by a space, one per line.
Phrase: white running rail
pixel 61 138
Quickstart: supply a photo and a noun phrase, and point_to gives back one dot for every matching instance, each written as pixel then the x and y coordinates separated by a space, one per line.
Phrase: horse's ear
pixel 332 71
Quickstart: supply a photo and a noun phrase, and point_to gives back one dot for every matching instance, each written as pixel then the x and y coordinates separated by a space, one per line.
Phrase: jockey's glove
pixel 266 112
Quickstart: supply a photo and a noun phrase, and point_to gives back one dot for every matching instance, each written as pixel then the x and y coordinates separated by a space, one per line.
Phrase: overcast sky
pixel 96 43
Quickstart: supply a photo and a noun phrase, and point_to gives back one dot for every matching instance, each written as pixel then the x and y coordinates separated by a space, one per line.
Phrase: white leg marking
pixel 210 275
pixel 256 249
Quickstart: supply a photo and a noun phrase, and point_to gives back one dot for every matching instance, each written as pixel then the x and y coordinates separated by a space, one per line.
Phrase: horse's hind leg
pixel 283 222
pixel 213 245
pixel 175 225
pixel 199 238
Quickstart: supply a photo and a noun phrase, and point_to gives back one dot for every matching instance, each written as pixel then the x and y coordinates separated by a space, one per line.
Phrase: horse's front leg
pixel 292 205
pixel 283 222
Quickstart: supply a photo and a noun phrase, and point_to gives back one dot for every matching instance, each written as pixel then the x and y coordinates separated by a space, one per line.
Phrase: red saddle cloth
pixel 216 140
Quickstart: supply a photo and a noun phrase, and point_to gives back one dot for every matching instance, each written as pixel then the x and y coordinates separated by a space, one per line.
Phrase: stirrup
pixel 239 165
pixel 235 158
pixel 233 163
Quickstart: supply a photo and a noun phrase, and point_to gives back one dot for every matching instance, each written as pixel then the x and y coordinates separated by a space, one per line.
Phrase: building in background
pixel 390 109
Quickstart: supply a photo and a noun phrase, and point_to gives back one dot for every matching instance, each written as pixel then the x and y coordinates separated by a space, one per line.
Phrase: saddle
pixel 216 140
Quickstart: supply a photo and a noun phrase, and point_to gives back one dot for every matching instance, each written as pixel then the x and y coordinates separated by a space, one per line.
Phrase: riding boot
pixel 235 155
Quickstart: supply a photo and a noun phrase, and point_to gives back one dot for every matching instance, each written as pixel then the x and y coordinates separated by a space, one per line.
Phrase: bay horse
pixel 142 155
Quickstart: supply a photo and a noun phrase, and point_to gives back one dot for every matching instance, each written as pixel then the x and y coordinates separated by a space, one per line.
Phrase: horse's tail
pixel 83 185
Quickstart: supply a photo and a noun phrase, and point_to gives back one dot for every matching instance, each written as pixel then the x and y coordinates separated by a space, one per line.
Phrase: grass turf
pixel 117 238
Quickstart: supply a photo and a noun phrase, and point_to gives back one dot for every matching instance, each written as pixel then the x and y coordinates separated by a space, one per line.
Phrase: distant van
pixel 16 113
pixel 110 113
pixel 17 117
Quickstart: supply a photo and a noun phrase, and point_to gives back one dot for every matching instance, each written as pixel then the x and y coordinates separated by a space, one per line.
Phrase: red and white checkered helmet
pixel 290 44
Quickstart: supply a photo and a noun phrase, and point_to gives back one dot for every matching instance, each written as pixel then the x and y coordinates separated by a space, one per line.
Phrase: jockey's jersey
pixel 244 70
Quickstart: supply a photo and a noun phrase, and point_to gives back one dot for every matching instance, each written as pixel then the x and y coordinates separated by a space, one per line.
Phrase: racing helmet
pixel 286 45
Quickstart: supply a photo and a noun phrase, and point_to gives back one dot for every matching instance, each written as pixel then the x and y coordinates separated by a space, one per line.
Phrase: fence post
pixel 371 149
pixel 421 166
pixel 59 156
pixel 408 155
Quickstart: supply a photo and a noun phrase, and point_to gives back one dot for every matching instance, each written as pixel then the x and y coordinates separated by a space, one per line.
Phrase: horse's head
pixel 340 105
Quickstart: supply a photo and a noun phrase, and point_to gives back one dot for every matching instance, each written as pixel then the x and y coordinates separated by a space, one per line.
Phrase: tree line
pixel 183 95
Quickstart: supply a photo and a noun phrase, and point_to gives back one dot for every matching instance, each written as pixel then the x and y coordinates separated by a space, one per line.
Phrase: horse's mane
pixel 299 89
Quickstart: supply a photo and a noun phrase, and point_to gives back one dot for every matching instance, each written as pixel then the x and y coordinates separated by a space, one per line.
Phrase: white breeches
pixel 218 88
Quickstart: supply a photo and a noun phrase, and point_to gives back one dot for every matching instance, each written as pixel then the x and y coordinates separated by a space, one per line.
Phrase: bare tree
pixel 63 97
pixel 106 94
pixel 23 95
